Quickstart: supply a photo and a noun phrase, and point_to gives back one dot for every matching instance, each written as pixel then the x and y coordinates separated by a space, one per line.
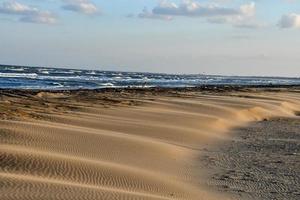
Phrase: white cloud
pixel 193 8
pixel 243 16
pixel 81 6
pixel 45 17
pixel 13 7
pixel 248 9
pixel 27 13
pixel 291 20
pixel 150 15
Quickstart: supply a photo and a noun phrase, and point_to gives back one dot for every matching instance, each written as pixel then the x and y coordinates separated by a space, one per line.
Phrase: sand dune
pixel 134 145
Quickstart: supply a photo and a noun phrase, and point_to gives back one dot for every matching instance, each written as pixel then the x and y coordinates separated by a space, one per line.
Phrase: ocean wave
pixel 62 72
pixel 42 77
pixel 108 84
pixel 44 72
pixel 18 75
pixel 54 78
pixel 91 73
pixel 15 69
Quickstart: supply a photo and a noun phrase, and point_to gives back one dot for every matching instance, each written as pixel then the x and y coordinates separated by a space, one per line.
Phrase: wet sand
pixel 126 143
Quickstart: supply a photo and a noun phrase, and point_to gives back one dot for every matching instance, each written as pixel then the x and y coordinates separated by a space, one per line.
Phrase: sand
pixel 126 143
pixel 260 161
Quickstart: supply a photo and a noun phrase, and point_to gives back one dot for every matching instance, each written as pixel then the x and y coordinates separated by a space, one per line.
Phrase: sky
pixel 227 37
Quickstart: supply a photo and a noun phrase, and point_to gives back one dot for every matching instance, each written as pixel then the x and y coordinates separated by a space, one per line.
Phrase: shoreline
pixel 124 143
pixel 204 87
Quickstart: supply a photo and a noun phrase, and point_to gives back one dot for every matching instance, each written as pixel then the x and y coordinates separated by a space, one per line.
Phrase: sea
pixel 19 77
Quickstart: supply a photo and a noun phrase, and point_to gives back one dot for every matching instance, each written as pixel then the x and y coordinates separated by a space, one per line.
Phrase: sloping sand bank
pixel 122 144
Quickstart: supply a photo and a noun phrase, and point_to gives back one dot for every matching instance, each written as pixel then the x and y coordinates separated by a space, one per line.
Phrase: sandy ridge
pixel 110 147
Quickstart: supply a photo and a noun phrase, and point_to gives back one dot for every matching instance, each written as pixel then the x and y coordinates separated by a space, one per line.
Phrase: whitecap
pixel 18 75
pixel 44 72
pixel 17 69
pixel 108 84
pixel 91 73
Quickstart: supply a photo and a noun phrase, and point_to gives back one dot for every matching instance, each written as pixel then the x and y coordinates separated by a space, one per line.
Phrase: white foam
pixel 107 84
pixel 18 75
pixel 91 73
pixel 16 69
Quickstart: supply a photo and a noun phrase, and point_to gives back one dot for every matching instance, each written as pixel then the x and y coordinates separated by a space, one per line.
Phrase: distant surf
pixel 18 77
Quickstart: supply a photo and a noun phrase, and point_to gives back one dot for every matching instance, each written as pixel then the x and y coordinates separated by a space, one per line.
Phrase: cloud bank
pixel 195 9
pixel 81 6
pixel 27 13
pixel 31 14
pixel 291 20
pixel 243 16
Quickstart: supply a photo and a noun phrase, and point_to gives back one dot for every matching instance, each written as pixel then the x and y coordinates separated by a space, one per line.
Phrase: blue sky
pixel 232 37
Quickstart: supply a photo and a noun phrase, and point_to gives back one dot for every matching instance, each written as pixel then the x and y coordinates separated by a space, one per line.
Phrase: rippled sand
pixel 260 161
pixel 124 144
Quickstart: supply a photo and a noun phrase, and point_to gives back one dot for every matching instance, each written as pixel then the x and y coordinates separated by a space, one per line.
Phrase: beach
pixel 260 161
pixel 153 143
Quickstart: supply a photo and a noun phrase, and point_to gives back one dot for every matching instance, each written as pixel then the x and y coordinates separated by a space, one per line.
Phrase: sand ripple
pixel 79 149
